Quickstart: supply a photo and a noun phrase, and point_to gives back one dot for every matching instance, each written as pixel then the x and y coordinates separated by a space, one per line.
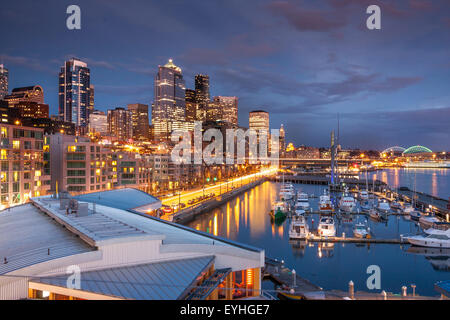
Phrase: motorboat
pixel 298 209
pixel 364 195
pixel 366 206
pixel 347 202
pixel 384 206
pixel 325 205
pixel 434 240
pixel 377 215
pixel 415 215
pixel 302 201
pixel 279 210
pixel 408 208
pixel 396 205
pixel 326 227
pixel 299 228
pixel 427 222
pixel 361 230
pixel 287 192
pixel 438 228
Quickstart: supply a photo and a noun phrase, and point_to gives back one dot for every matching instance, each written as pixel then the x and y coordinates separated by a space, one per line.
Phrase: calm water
pixel 432 181
pixel 331 266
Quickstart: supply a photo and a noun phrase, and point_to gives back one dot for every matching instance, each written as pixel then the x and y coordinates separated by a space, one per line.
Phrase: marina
pixel 323 261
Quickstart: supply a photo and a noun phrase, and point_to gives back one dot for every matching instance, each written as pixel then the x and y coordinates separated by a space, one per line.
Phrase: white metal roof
pixel 26 234
pixel 168 280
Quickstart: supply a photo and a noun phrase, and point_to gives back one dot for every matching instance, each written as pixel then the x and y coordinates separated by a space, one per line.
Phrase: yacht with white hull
pixel 299 228
pixel 325 205
pixel 326 227
pixel 434 240
pixel 347 202
pixel 302 201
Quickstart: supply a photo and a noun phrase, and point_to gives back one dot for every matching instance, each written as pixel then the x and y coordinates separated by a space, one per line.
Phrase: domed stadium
pixel 417 151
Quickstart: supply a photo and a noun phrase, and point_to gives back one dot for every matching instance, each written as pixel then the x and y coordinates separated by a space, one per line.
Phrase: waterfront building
pixel 21 165
pixel 139 120
pixel 98 122
pixel 191 105
pixel 50 126
pixel 78 165
pixel 120 124
pixel 4 81
pixel 131 170
pixel 259 120
pixel 170 100
pixel 202 96
pixel 118 239
pixel 74 93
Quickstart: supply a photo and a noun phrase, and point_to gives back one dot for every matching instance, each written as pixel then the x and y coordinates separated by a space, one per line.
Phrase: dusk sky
pixel 303 61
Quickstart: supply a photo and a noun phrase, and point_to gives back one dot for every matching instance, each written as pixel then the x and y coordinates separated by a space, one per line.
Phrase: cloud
pixel 304 19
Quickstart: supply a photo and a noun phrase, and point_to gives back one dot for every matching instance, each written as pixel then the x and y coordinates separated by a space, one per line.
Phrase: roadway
pixel 218 188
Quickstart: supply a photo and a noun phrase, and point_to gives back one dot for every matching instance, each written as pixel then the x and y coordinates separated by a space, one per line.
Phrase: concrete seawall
pixel 189 214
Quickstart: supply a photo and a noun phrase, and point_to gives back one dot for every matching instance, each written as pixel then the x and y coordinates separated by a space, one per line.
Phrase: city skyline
pixel 364 76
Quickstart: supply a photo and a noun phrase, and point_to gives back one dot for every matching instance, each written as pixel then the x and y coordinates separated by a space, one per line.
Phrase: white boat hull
pixel 432 243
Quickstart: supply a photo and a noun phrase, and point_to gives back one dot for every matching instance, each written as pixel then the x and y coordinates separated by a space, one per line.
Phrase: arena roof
pixel 416 150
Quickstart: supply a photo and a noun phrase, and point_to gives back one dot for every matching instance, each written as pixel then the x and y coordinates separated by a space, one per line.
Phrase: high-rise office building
pixel 26 94
pixel 139 119
pixel 223 109
pixel 282 141
pixel 4 80
pixel 120 124
pixel 98 122
pixel 202 95
pixel 74 93
pixel 191 105
pixel 169 110
pixel 29 102
pixel 259 120
pixel 91 99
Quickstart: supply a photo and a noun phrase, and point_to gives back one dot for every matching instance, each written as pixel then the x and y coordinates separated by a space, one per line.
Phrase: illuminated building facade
pixel 79 165
pixel 202 95
pixel 191 105
pixel 170 100
pixel 98 123
pixel 229 108
pixel 21 165
pixel 91 99
pixel 4 81
pixel 139 120
pixel 120 124
pixel 259 120
pixel 74 93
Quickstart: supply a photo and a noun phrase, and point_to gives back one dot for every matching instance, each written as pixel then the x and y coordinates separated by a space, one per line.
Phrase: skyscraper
pixel 98 122
pixel 202 95
pixel 169 111
pixel 91 99
pixel 74 93
pixel 4 80
pixel 120 124
pixel 191 105
pixel 223 109
pixel 139 120
pixel 259 120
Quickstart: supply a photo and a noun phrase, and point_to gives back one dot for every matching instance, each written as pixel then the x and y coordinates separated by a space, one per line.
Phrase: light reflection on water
pixel 431 181
pixel 245 219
